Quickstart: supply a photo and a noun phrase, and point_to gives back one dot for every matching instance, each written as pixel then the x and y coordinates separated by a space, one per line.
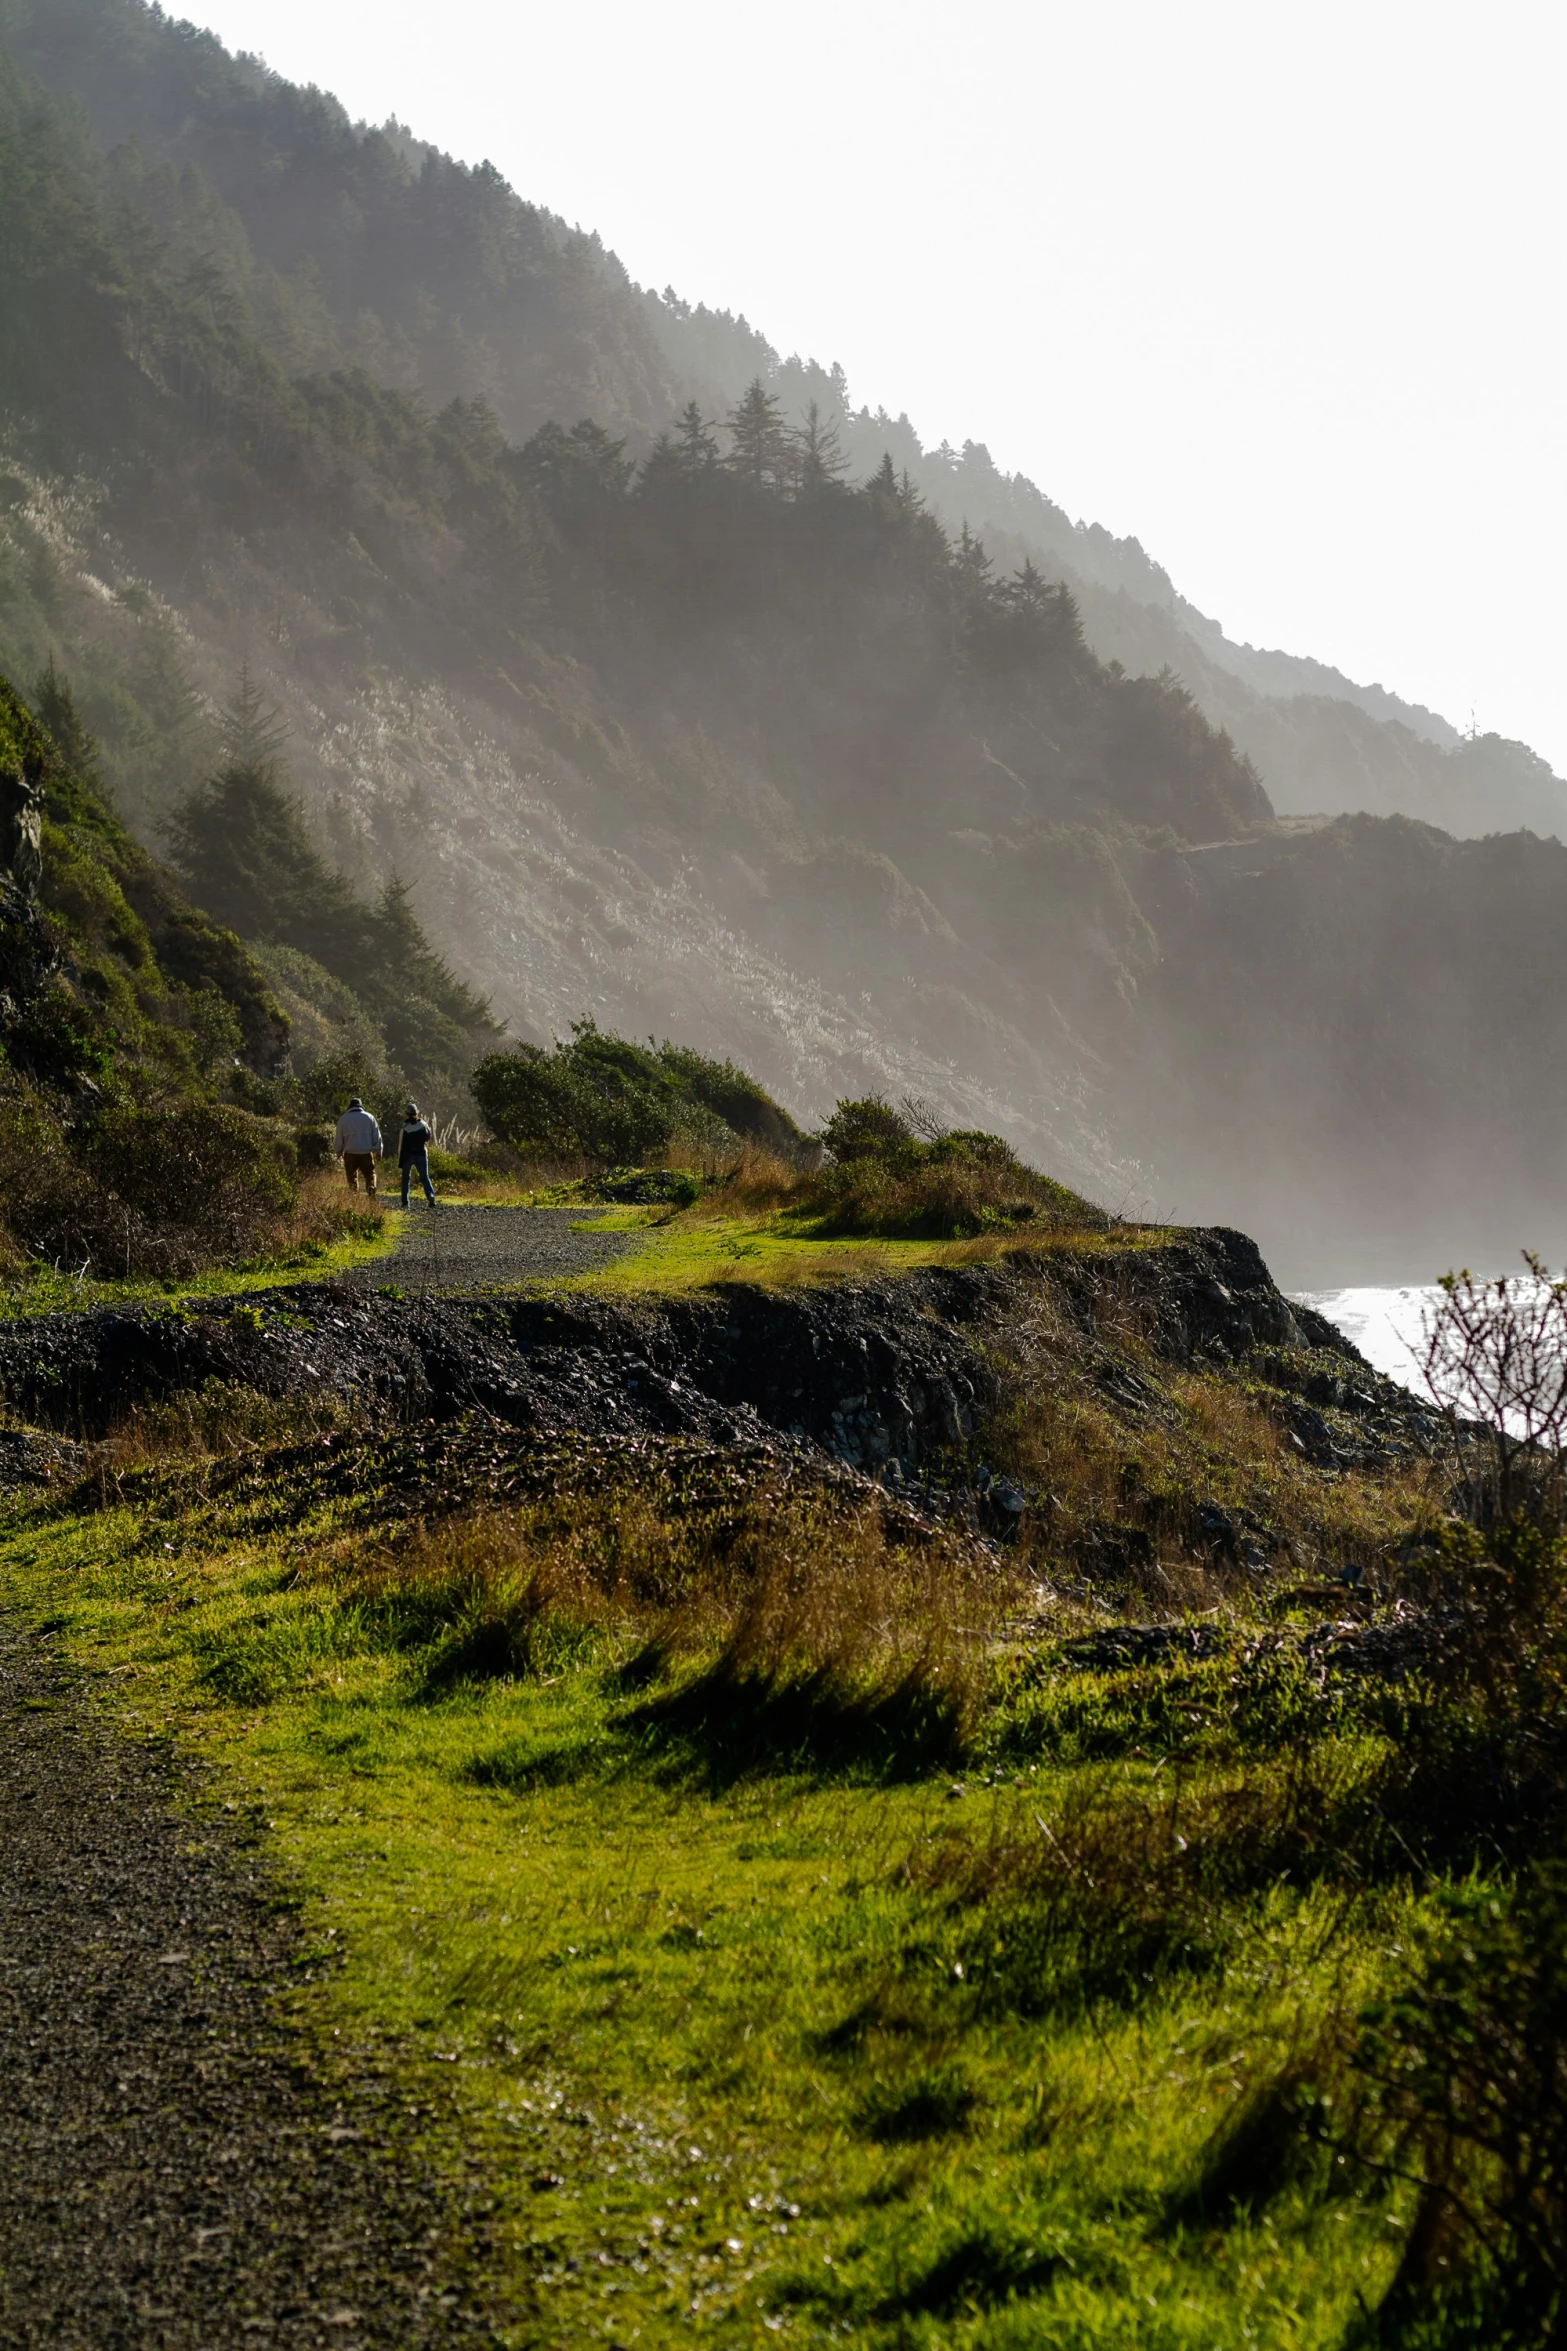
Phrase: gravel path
pixel 173 2177
pixel 457 1249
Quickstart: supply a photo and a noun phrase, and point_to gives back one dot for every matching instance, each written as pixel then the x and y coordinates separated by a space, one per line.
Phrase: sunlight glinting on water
pixel 1384 1324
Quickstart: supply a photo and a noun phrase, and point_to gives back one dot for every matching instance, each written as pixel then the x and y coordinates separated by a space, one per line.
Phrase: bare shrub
pixel 1494 1355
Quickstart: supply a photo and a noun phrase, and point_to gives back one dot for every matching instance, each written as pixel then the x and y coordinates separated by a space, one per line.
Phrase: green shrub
pixel 603 1098
pixel 887 1176
pixel 168 1191
pixel 869 1129
pixel 200 1162
pixel 1467 2070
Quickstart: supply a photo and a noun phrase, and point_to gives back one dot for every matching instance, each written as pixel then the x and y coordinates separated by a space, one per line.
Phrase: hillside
pixel 1325 744
pixel 714 733
pixel 369 248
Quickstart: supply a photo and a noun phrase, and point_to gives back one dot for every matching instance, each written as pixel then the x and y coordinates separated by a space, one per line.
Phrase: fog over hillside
pixel 684 693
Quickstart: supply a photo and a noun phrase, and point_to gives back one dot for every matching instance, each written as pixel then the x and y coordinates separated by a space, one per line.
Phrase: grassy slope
pixel 700 2005
pixel 689 1252
pixel 684 1983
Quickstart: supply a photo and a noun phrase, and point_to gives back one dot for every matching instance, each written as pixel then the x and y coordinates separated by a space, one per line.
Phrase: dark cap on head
pixel 355 1103
pixel 413 1109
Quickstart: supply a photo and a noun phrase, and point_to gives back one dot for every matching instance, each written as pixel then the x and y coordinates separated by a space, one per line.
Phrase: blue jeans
pixel 418 1166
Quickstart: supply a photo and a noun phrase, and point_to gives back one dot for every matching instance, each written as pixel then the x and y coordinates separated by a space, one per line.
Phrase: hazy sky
pixel 1277 287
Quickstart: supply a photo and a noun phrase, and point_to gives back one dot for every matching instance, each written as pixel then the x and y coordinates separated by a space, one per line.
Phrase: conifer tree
pixel 63 723
pixel 822 464
pixel 695 443
pixel 760 443
pixel 662 467
pixel 972 568
pixel 251 729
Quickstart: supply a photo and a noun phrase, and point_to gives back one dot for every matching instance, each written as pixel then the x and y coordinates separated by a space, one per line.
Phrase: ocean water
pixel 1384 1324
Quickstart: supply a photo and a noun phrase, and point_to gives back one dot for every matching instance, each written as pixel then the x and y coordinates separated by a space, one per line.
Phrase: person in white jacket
pixel 358 1145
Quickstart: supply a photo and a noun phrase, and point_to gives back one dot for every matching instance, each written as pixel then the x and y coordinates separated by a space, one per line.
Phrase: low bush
pixel 160 1192
pixel 220 1419
pixel 899 1173
pixel 609 1101
pixel 1465 2070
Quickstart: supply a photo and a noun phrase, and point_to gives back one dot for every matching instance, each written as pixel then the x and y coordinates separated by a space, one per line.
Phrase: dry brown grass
pixel 789 1594
pixel 755 1182
pixel 1132 1455
pixel 325 1210
pixel 216 1422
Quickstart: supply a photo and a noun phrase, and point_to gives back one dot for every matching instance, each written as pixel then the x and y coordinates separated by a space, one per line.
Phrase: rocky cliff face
pixel 892 1377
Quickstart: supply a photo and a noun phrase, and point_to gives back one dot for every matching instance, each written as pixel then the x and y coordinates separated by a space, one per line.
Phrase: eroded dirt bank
pixel 876 1373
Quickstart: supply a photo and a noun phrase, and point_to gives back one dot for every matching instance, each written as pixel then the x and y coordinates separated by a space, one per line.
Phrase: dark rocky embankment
pixel 889 1376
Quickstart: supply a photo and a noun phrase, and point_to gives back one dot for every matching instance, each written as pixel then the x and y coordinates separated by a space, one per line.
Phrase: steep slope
pixel 1323 743
pixel 718 744
pixel 340 245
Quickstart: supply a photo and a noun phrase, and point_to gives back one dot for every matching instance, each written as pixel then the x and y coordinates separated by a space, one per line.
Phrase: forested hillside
pixel 687 714
pixel 351 247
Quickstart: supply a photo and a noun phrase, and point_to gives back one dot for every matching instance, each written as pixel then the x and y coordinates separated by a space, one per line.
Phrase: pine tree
pixel 695 443
pixel 251 729
pixel 760 443
pixel 971 569
pixel 822 464
pixel 63 723
pixel 662 468
pixel 882 492
pixel 1046 608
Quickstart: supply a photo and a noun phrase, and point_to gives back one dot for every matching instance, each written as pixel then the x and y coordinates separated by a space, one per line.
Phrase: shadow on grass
pixel 938 2102
pixel 1275 2140
pixel 731 1721
pixel 977 2269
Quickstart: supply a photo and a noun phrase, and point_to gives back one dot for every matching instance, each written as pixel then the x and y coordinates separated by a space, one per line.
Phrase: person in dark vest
pixel 413 1153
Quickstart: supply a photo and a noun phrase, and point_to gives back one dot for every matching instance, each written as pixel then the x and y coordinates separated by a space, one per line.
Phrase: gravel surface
pixel 174 2176
pixel 457 1249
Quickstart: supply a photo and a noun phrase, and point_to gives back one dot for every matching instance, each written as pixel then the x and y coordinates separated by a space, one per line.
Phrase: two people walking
pixel 358 1145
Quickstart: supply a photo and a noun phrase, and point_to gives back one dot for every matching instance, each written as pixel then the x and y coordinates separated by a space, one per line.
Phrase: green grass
pixel 44 1290
pixel 695 1249
pixel 773 2042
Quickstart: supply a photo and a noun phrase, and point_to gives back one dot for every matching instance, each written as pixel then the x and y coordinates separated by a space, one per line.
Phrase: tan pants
pixel 357 1164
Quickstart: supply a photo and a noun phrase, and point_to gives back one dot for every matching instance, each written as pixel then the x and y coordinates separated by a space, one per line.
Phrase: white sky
pixel 1275 286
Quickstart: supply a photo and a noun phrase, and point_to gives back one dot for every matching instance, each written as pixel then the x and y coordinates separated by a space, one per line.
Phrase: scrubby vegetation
pixel 376 1011
pixel 664 1124
pixel 140 1047
pixel 860 1924
pixel 607 1100
pixel 902 1172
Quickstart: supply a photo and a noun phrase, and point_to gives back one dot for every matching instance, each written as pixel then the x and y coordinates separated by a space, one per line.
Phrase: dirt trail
pixel 174 2173
pixel 457 1249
